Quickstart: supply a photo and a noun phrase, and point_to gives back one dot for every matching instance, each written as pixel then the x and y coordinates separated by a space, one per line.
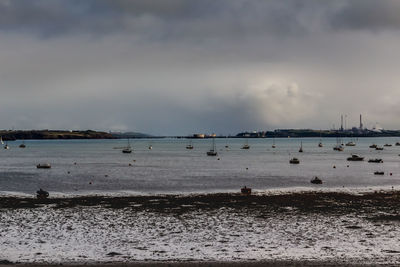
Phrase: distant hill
pixel 131 135
pixel 8 135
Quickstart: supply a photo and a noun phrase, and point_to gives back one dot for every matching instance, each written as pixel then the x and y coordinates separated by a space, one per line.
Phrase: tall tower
pixel 341 123
pixel 361 124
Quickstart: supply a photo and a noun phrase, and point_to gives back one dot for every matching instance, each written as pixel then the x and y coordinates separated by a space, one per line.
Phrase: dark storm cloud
pixel 180 66
pixel 206 18
pixel 367 15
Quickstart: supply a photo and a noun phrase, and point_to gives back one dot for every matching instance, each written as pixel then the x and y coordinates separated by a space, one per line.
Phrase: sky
pixel 176 67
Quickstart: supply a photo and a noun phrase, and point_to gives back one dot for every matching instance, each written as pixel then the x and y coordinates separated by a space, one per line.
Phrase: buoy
pixel 69 172
pixel 218 158
pixel 334 166
pixel 247 168
pixel 347 166
pixel 390 174
pixel 74 163
pixel 130 164
pixel 90 182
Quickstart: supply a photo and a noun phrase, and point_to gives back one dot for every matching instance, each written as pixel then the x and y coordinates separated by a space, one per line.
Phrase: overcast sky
pixel 182 66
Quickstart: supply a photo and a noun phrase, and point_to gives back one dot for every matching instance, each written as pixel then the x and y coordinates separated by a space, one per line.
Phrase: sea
pixel 81 167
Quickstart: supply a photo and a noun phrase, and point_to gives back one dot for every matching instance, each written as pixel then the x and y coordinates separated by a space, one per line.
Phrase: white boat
pixel 351 143
pixel 213 150
pixel 246 145
pixel 190 145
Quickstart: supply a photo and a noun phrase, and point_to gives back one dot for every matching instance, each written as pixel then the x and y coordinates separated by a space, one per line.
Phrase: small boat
pixel 351 143
pixel 379 173
pixel 373 146
pixel 128 148
pixel 378 148
pixel 213 150
pixel 245 190
pixel 388 145
pixel 316 180
pixel 6 146
pixel 294 161
pixel 375 161
pixel 397 144
pixel 246 145
pixel 338 148
pixel 301 147
pixel 41 194
pixel 226 146
pixel 320 139
pixel 43 166
pixel 273 143
pixel 22 145
pixel 190 145
pixel 355 158
pixel 150 147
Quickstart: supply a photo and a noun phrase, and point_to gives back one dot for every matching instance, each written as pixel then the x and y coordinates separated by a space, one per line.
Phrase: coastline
pixel 262 263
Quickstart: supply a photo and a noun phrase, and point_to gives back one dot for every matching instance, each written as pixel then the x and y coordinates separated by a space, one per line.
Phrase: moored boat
pixel 43 166
pixel 245 190
pixel 316 180
pixel 213 150
pixel 375 161
pixel 355 158
pixel 294 161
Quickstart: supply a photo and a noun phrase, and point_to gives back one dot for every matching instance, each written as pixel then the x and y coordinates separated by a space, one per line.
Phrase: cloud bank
pixel 178 67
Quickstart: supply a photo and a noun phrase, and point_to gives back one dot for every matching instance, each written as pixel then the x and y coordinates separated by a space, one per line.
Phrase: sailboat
pixel 128 148
pixel 320 140
pixel 246 145
pixel 338 146
pixel 23 144
pixel 190 145
pixel 213 150
pixel 6 145
pixel 273 143
pixel 301 147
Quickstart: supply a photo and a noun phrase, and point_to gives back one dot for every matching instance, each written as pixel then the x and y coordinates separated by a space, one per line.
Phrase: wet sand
pixel 294 229
pixel 333 203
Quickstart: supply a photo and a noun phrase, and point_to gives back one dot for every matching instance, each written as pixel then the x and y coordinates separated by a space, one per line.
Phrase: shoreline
pixel 261 192
pixel 224 229
pixel 262 263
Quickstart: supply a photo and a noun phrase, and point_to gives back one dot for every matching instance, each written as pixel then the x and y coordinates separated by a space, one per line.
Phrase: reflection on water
pixel 171 168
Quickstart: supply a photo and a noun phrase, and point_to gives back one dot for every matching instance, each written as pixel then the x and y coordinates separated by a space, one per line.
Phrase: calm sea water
pixel 170 168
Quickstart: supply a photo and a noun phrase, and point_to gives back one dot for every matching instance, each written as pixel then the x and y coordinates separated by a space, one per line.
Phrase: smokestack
pixel 361 125
pixel 341 122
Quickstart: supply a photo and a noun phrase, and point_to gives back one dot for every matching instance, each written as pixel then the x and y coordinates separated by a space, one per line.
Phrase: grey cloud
pixel 367 15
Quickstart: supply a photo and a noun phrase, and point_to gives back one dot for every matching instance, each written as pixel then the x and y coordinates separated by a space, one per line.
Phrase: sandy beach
pixel 293 229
